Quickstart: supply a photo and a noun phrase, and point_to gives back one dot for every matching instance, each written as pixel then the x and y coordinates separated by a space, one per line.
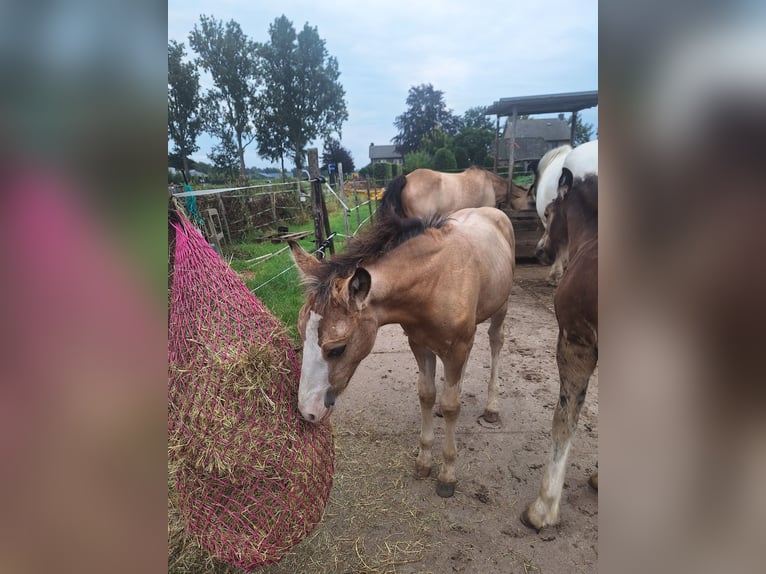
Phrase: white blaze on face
pixel 314 374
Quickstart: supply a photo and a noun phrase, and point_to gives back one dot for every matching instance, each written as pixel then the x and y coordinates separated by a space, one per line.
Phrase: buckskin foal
pixel 426 192
pixel 438 279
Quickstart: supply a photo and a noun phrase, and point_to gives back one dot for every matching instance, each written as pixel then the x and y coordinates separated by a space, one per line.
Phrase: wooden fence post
pixel 343 198
pixel 223 217
pixel 318 206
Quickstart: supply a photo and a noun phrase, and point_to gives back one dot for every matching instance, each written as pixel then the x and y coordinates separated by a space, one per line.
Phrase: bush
pixel 416 160
pixel 381 171
pixel 444 160
pixel 461 157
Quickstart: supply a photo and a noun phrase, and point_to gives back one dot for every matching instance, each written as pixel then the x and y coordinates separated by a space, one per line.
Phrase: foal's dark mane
pixel 388 232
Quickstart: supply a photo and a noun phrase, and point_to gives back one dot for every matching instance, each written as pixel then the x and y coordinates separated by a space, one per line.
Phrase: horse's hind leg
pixel 496 339
pixel 454 368
pixel 576 362
pixel 427 393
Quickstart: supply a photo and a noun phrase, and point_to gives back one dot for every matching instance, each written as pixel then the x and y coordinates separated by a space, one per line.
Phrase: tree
pixel 477 117
pixel 583 131
pixel 335 153
pixel 230 58
pixel 416 160
pixel 225 154
pixel 477 143
pixel 435 140
pixel 444 160
pixel 426 111
pixel 184 119
pixel 303 98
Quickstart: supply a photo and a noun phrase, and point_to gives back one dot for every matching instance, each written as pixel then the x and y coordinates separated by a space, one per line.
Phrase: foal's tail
pixel 392 198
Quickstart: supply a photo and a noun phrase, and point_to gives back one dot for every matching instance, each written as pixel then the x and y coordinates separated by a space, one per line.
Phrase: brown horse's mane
pixel 388 232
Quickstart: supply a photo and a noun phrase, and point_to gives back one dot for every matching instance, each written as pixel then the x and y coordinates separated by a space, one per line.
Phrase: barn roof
pixel 544 104
pixel 549 129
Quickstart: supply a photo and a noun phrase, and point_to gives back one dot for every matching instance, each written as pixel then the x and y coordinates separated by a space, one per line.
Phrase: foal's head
pixel 337 330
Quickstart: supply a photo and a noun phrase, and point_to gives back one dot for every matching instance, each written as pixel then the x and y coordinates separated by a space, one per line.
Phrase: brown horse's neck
pixel 582 221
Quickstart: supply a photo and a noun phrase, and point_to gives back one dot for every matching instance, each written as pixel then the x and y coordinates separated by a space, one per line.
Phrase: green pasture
pixel 283 294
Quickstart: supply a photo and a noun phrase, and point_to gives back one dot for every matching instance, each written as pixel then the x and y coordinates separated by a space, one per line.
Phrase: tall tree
pixel 230 58
pixel 303 98
pixel 334 152
pixel 477 117
pixel 477 143
pixel 426 110
pixel 225 154
pixel 184 119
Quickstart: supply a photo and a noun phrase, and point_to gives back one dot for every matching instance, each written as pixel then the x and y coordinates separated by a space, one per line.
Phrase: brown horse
pixel 572 218
pixel 438 279
pixel 428 192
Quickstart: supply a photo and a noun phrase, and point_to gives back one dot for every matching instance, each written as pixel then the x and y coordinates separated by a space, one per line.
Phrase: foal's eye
pixel 336 351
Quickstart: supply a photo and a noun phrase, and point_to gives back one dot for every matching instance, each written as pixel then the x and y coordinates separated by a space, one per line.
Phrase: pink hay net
pixel 249 477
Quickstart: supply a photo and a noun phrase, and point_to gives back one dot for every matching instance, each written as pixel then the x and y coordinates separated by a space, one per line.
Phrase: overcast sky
pixel 475 51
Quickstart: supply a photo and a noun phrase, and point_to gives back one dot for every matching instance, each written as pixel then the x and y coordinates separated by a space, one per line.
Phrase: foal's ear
pixel 359 286
pixel 565 181
pixel 307 265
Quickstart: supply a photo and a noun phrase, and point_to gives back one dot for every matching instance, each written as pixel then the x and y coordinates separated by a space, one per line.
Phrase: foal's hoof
pixel 490 420
pixel 527 522
pixel 491 417
pixel 593 481
pixel 445 489
pixel 422 471
pixel 438 411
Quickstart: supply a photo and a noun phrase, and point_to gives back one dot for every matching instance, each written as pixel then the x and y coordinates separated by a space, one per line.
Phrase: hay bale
pixel 248 477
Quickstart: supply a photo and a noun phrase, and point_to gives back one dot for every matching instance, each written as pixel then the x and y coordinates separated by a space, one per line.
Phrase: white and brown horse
pixel 573 221
pixel 545 187
pixel 438 279
pixel 429 192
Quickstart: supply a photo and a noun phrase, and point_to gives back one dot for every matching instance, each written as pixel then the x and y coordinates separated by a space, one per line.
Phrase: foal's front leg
pixel 427 393
pixel 576 364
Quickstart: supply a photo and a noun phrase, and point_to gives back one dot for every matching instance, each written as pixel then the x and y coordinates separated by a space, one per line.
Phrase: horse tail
pixel 392 197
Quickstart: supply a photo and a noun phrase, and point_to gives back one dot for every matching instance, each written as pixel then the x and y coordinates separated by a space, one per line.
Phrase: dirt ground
pixel 381 518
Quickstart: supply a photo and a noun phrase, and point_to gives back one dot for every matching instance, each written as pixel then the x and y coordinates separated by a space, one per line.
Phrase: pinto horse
pixel 572 220
pixel 428 192
pixel 438 279
pixel 545 186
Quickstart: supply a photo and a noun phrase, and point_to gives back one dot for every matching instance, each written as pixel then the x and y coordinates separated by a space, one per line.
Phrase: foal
pixel 572 216
pixel 438 280
pixel 425 192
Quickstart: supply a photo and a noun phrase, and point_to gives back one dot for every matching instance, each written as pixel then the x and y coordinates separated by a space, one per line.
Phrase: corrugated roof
pixel 549 129
pixel 544 103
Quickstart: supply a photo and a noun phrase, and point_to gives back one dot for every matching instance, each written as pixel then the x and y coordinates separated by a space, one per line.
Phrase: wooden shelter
pixel 526 223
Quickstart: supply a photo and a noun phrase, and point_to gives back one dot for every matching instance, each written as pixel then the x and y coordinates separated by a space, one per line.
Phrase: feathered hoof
pixel 445 489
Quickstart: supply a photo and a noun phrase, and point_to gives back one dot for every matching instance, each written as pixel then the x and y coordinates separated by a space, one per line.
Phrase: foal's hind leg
pixel 496 338
pixel 576 363
pixel 454 368
pixel 427 394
